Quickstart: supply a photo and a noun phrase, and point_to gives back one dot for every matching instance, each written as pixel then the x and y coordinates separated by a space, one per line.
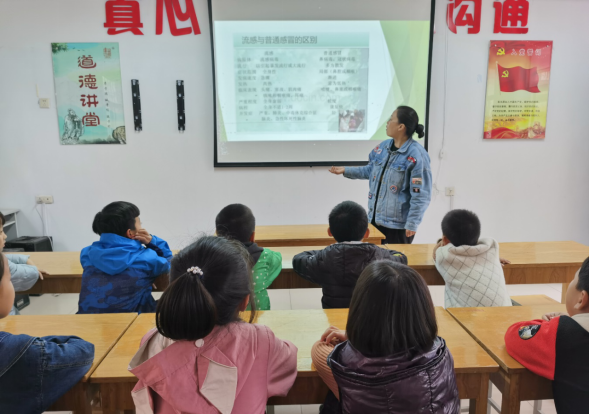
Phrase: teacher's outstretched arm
pixel 356 173
pixel 337 170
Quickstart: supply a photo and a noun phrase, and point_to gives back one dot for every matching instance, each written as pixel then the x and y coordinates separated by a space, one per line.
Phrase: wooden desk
pixel 102 330
pixel 488 326
pixel 538 262
pixel 304 235
pixel 531 300
pixel 531 263
pixel 472 364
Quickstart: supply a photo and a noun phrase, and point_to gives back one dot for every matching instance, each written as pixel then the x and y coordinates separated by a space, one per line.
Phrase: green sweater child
pixel 237 222
pixel 268 265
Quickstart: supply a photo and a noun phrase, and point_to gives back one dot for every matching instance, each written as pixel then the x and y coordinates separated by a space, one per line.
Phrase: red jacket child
pixel 557 347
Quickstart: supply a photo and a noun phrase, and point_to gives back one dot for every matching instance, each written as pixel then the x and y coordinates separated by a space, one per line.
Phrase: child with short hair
pixel 337 267
pixel 120 268
pixel 237 222
pixel 203 358
pixel 556 347
pixel 470 266
pixel 390 347
pixel 23 272
pixel 36 372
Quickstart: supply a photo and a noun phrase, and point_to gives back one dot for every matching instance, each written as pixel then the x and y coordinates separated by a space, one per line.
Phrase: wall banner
pixel 518 81
pixel 88 93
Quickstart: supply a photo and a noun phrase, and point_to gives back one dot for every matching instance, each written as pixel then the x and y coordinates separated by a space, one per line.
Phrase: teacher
pixel 400 179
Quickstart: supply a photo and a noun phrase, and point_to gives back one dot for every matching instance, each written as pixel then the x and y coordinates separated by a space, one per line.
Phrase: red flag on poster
pixel 518 79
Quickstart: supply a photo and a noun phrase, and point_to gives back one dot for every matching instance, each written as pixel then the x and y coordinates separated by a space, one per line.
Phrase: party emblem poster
pixel 517 89
pixel 89 93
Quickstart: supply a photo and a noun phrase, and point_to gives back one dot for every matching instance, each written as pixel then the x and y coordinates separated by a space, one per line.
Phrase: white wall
pixel 523 191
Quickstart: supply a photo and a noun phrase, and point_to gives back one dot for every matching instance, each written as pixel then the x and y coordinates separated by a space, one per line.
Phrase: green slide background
pixel 408 44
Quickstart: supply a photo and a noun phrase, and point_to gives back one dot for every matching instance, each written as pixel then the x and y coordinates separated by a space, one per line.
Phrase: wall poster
pixel 89 95
pixel 518 81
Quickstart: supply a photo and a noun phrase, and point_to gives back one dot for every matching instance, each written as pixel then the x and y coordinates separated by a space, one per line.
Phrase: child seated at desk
pixel 470 266
pixel 237 222
pixel 36 372
pixel 556 347
pixel 23 272
pixel 390 348
pixel 118 269
pixel 203 358
pixel 337 267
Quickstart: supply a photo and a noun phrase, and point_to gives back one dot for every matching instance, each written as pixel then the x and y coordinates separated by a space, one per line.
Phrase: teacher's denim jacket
pixel 36 372
pixel 406 187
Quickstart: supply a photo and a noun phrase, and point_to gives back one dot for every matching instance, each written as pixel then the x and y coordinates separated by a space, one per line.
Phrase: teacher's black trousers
pixel 393 236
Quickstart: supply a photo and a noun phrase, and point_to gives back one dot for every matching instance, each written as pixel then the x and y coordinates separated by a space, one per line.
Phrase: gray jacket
pixel 22 275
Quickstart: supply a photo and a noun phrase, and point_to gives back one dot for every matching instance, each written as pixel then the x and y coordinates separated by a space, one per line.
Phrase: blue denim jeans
pixel 36 372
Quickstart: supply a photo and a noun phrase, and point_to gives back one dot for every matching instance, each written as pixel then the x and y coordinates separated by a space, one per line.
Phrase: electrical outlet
pixel 44 103
pixel 44 199
pixel 450 191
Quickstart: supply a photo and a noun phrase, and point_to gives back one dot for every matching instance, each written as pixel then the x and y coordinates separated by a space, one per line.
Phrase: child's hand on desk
pixel 41 272
pixel 143 236
pixel 552 315
pixel 504 261
pixel 334 334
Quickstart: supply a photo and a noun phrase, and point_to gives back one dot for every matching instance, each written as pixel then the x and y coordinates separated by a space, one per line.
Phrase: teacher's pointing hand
pixel 337 170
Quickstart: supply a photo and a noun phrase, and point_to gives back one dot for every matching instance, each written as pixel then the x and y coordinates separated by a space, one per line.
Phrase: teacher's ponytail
pixel 408 117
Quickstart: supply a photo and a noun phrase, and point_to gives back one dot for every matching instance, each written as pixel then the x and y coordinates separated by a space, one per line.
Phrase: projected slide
pixel 301 84
pixel 314 91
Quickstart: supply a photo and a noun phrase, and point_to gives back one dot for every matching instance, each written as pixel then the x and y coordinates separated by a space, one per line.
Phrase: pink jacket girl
pixel 202 358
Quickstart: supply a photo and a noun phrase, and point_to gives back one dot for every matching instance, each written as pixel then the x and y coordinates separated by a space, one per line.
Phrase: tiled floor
pixel 527 407
pixel 62 304
pixel 305 299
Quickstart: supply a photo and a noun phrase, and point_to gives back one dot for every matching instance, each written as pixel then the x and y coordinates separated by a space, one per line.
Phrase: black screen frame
pixel 218 164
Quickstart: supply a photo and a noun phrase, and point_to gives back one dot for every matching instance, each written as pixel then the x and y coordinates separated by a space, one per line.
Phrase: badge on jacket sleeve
pixel 411 159
pixel 394 189
pixel 416 181
pixel 369 196
pixel 528 331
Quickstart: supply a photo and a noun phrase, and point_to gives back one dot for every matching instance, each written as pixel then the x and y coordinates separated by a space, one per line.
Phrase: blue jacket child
pixel 118 270
pixel 36 372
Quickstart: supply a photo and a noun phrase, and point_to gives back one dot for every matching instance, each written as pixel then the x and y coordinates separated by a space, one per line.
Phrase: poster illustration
pixel 518 81
pixel 89 93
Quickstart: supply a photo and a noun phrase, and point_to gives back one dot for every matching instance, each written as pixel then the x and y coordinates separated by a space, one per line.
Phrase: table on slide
pixel 531 263
pixel 101 330
pixel 488 326
pixel 302 327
